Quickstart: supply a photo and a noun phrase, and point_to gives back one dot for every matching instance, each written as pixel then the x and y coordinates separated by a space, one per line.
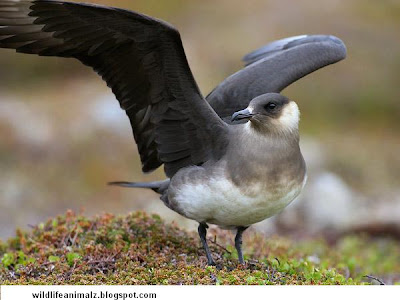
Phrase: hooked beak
pixel 244 114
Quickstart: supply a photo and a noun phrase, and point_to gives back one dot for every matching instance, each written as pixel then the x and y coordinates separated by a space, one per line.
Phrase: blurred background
pixel 63 135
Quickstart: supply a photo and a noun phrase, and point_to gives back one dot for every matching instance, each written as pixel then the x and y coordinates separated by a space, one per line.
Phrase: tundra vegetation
pixel 143 249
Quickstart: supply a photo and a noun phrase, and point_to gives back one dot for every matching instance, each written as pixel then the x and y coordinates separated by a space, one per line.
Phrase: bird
pixel 232 158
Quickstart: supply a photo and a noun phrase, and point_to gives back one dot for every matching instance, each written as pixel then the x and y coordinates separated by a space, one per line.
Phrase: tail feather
pixel 157 186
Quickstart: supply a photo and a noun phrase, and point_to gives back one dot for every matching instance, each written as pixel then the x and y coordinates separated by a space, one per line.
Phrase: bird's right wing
pixel 273 67
pixel 141 59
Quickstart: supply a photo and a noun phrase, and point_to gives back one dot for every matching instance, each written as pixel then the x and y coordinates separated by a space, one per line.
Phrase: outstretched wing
pixel 272 68
pixel 143 62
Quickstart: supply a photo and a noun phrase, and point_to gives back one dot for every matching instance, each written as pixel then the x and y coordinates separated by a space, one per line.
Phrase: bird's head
pixel 271 113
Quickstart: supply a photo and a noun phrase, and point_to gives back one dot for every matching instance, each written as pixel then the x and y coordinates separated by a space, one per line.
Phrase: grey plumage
pixel 157 186
pixel 272 68
pixel 218 172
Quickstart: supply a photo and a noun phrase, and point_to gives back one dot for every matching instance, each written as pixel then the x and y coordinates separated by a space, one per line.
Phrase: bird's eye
pixel 270 106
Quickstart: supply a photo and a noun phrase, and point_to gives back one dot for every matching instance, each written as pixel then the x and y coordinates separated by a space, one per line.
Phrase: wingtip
pixel 341 44
pixel 270 48
pixel 290 42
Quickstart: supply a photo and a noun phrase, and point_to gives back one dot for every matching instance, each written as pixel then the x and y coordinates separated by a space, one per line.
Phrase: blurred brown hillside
pixel 63 137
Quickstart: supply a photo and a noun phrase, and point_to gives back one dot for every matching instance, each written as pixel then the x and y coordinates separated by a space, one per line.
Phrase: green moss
pixel 142 249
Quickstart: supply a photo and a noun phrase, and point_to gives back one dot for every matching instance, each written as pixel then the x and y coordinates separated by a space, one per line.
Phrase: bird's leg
pixel 202 233
pixel 238 243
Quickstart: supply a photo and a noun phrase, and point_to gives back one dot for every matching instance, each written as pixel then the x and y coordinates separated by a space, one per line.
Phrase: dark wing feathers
pixel 276 46
pixel 143 62
pixel 272 68
pixel 141 59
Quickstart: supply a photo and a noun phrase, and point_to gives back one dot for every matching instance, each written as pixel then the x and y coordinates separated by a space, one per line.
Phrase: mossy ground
pixel 142 249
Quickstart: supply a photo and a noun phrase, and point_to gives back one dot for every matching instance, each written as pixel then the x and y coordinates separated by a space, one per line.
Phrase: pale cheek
pixel 290 117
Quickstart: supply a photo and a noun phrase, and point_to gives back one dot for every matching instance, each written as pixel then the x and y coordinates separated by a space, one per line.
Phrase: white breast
pixel 218 201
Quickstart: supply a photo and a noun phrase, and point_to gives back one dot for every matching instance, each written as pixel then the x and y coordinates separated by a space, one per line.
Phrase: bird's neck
pixel 271 134
pixel 264 147
pixel 262 157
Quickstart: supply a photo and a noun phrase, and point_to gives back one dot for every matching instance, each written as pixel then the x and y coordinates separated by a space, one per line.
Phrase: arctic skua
pixel 232 158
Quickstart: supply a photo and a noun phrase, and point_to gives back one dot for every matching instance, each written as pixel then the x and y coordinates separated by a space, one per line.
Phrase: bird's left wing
pixel 273 67
pixel 143 62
